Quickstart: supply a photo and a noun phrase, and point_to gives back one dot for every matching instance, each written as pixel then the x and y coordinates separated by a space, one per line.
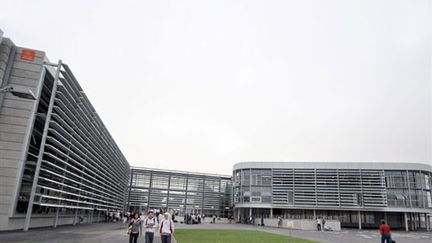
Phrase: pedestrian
pixel 323 224
pixel 280 221
pixel 319 223
pixel 150 224
pixel 385 232
pixel 135 228
pixel 214 219
pixel 166 228
pixel 157 214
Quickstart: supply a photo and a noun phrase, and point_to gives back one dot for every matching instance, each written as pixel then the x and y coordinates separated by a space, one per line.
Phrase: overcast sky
pixel 200 85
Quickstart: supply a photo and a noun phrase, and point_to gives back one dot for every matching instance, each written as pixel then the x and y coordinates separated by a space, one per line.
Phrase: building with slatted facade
pixel 179 192
pixel 58 162
pixel 356 194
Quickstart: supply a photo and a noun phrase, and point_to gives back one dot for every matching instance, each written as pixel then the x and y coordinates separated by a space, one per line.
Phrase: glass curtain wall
pixel 179 192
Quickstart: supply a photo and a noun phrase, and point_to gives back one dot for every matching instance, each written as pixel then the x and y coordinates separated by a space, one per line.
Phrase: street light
pixel 28 95
pixel 1 36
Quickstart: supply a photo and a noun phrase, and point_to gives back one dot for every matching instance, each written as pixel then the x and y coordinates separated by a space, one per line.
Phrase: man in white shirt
pixel 319 222
pixel 166 228
pixel 149 225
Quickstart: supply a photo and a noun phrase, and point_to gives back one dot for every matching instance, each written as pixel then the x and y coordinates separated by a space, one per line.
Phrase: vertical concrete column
pixel 314 214
pixel 75 216
pixel 56 218
pixel 406 221
pixel 250 212
pixel 271 213
pixel 359 220
pixel 428 222
pixel 385 217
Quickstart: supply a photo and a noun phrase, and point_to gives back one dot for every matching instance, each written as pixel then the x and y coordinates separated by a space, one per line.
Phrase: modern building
pixel 179 192
pixel 356 194
pixel 60 165
pixel 58 162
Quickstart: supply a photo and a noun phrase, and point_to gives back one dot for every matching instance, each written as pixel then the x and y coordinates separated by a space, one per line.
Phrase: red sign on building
pixel 28 55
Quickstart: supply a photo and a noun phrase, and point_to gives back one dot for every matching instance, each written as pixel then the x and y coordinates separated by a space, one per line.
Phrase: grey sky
pixel 200 85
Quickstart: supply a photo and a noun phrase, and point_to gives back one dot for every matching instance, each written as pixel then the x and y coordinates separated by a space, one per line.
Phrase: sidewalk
pixel 85 233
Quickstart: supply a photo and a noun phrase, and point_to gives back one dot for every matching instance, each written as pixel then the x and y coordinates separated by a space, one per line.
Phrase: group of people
pixel 197 218
pixel 149 225
pixel 321 224
pixel 193 218
pixel 114 216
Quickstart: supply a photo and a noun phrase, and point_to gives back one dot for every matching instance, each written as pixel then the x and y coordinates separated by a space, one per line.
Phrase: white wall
pixel 302 224
pixel 15 122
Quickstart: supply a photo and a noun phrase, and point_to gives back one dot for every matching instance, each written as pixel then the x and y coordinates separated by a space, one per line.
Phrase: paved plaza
pixel 93 233
pixel 110 233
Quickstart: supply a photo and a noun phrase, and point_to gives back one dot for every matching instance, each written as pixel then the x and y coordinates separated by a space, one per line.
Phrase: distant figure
pixel 214 219
pixel 280 221
pixel 157 214
pixel 150 224
pixel 166 228
pixel 323 224
pixel 319 221
pixel 135 228
pixel 385 232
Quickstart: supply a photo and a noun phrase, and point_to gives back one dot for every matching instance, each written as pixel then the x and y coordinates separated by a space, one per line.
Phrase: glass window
pixel 178 183
pixel 160 181
pixel 141 180
pixel 195 184
pixel 245 178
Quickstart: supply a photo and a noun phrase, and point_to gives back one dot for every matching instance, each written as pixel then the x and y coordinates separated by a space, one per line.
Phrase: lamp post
pixel 1 35
pixel 28 95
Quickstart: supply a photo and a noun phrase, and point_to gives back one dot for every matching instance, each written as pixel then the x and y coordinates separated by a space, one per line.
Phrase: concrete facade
pixel 15 120
pixel 58 163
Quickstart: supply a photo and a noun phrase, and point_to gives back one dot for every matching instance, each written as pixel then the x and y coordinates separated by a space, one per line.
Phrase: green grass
pixel 232 236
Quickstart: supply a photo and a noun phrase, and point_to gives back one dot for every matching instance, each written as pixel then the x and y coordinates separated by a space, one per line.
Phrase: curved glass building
pixel 356 194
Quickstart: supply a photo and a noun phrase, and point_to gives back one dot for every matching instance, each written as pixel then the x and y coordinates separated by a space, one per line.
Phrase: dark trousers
pixel 149 236
pixel 386 239
pixel 166 238
pixel 133 237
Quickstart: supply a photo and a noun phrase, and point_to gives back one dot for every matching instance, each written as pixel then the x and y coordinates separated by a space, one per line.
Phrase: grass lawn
pixel 232 236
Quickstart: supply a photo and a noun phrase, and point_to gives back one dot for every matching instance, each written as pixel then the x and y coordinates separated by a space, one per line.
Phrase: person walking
pixel 135 228
pixel 385 232
pixel 150 223
pixel 166 228
pixel 323 224
pixel 319 221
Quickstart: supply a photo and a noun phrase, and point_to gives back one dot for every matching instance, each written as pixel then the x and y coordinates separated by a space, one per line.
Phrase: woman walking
pixel 135 228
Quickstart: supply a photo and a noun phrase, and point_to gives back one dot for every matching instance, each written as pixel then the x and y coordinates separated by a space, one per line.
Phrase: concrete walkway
pixel 85 233
pixel 116 232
